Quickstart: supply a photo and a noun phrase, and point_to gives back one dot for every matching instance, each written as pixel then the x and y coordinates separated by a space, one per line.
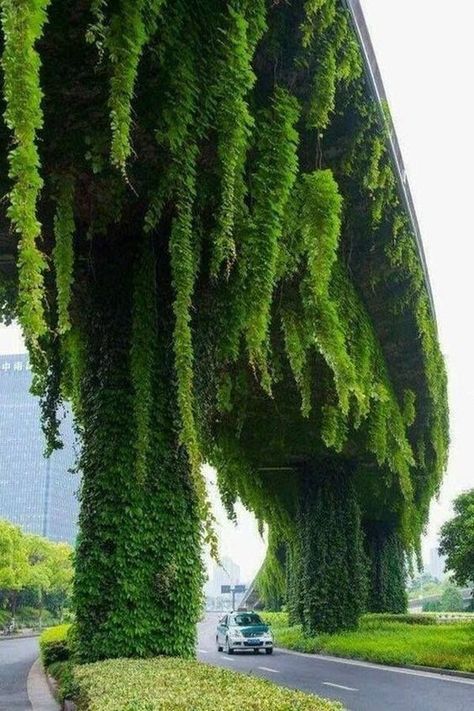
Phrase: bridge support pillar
pixel 327 570
pixel 138 559
pixel 387 576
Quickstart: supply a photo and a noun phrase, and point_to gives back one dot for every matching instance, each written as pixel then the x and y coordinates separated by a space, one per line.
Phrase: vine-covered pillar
pixel 271 578
pixel 327 584
pixel 388 571
pixel 138 563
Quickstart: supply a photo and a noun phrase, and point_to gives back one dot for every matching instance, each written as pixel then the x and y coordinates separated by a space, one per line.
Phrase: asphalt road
pixel 360 686
pixel 16 658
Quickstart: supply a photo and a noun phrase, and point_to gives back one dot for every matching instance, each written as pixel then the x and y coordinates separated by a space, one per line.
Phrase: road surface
pixel 16 658
pixel 360 686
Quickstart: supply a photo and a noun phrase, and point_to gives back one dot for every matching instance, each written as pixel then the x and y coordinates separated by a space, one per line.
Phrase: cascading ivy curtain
pixel 212 257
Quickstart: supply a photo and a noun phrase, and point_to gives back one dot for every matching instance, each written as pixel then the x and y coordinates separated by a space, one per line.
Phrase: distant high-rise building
pixel 436 564
pixel 36 493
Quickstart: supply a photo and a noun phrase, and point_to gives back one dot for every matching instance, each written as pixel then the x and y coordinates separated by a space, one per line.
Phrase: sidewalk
pixel 39 692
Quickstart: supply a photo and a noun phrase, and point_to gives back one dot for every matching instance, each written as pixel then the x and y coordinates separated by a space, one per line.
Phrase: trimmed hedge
pixel 55 644
pixel 174 684
pixel 63 674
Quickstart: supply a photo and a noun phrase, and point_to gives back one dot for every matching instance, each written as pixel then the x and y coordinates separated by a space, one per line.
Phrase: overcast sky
pixel 424 49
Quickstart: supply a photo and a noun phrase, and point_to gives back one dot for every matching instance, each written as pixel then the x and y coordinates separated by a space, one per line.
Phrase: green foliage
pixel 388 640
pixel 142 352
pixel 234 80
pixel 376 619
pixel 319 222
pixel 451 599
pixel 131 27
pixel 271 185
pixel 457 539
pixel 144 547
pixel 172 684
pixel 258 152
pixel 271 578
pixel 28 561
pixel 22 23
pixel 54 645
pixel 324 90
pixel 13 557
pixel 387 573
pixel 8 299
pixel 63 252
pixel 63 674
pixel 329 580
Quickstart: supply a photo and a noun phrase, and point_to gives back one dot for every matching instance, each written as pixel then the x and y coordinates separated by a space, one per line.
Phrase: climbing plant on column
pixel 202 206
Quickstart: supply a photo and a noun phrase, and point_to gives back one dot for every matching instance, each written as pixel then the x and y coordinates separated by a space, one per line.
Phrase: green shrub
pixel 63 673
pixel 175 684
pixel 54 644
pixel 277 619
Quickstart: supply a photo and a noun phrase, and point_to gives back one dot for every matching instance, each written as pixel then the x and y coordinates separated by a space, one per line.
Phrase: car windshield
pixel 247 618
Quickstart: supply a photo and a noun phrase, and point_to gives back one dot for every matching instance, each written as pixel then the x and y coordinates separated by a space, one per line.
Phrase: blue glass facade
pixel 36 493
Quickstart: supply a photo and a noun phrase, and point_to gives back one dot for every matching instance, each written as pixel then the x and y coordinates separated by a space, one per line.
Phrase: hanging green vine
pixel 257 300
pixel 271 185
pixel 271 578
pixel 130 29
pixel 63 253
pixel 234 80
pixel 23 23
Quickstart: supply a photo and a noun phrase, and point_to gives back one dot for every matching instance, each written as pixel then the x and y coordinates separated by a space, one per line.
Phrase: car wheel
pixel 219 646
pixel 269 650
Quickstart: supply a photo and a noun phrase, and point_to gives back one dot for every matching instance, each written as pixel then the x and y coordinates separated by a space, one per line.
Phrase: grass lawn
pixel 378 639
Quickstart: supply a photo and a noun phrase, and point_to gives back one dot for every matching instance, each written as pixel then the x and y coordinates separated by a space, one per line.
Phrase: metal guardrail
pixel 376 84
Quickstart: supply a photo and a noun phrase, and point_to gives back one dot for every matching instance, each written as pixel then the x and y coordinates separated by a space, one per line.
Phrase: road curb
pixel 437 671
pixel 39 689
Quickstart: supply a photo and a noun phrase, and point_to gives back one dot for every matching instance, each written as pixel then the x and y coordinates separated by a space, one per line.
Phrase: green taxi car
pixel 243 631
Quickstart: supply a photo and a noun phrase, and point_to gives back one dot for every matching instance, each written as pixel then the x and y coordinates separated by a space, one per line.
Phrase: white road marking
pixel 438 676
pixel 203 651
pixel 269 669
pixel 340 686
pixel 229 659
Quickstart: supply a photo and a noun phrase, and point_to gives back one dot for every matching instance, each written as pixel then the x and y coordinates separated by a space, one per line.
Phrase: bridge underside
pixel 305 366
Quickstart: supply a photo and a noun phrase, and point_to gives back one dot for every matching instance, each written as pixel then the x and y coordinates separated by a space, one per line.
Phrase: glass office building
pixel 36 493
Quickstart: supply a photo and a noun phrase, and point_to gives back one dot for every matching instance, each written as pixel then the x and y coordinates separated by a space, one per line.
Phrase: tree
pixel 14 569
pixel 451 599
pixel 50 570
pixel 31 567
pixel 214 263
pixel 457 540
